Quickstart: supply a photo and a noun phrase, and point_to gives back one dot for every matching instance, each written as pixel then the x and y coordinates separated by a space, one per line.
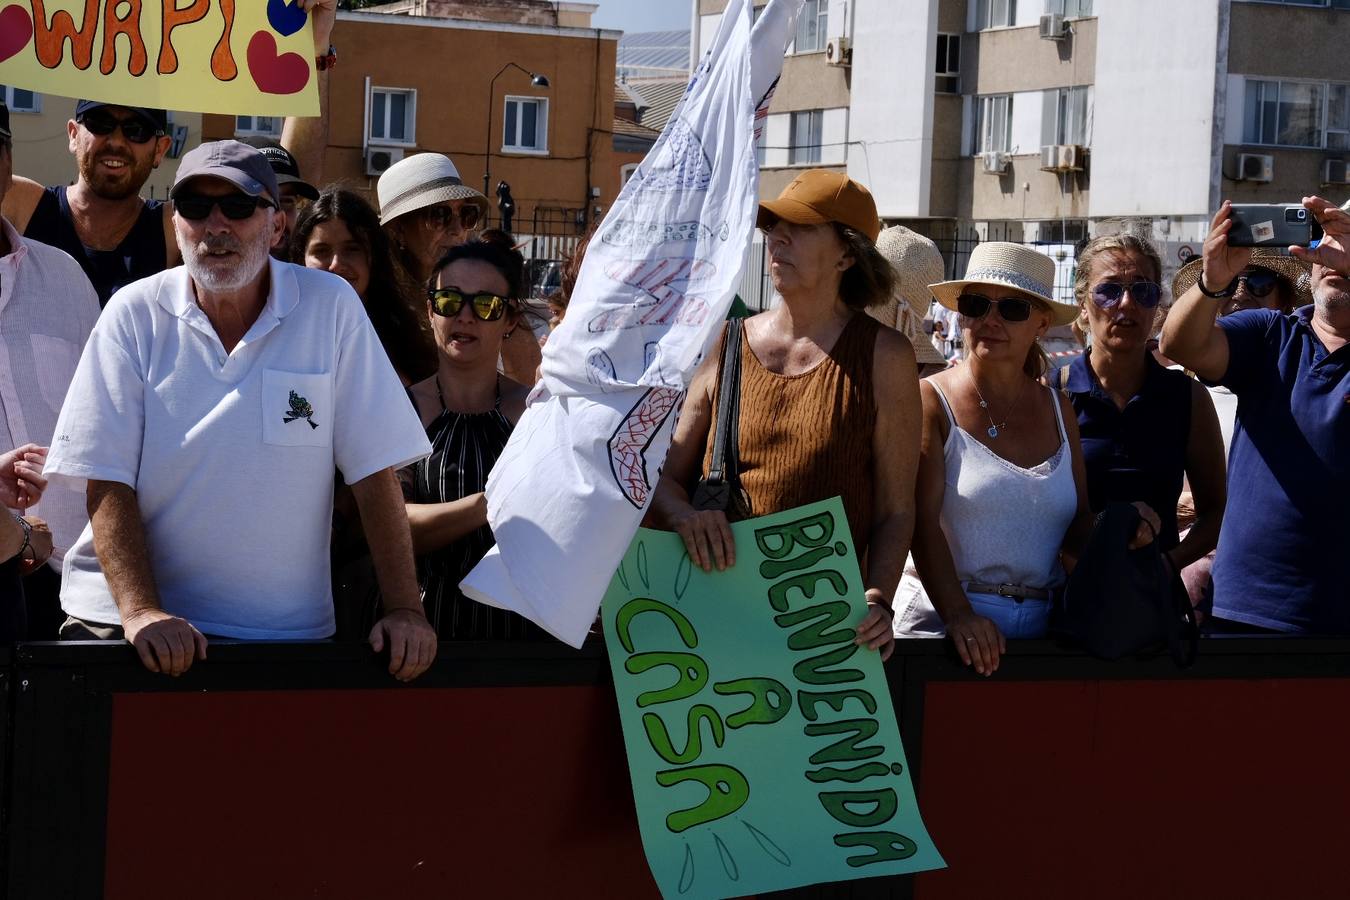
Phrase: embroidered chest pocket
pixel 297 409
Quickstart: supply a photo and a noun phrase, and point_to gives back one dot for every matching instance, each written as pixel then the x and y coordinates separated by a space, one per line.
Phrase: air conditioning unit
pixel 379 159
pixel 1063 157
pixel 995 162
pixel 1336 171
pixel 1053 27
pixel 839 52
pixel 1255 167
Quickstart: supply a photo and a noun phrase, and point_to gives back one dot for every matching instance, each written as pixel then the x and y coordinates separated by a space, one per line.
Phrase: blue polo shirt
pixel 1139 452
pixel 1284 552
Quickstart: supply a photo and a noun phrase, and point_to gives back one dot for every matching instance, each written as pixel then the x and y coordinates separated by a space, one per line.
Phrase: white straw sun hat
pixel 1010 266
pixel 419 181
pixel 917 263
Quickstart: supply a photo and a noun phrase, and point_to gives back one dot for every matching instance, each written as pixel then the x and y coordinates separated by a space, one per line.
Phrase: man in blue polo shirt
pixel 1283 561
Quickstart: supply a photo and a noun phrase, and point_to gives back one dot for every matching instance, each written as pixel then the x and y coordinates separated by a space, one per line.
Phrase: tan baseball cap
pixel 817 197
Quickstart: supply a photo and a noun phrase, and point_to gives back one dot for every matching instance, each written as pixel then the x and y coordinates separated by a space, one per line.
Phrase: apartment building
pixel 1047 120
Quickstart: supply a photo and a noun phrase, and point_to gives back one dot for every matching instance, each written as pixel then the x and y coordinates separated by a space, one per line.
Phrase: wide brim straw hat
pixel 421 180
pixel 917 263
pixel 1297 272
pixel 1006 265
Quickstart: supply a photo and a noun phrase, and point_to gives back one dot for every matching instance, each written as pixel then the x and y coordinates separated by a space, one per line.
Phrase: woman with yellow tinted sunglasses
pixel 469 411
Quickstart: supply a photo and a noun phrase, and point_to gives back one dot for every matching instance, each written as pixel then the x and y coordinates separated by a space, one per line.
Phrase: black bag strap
pixel 722 466
pixel 1183 637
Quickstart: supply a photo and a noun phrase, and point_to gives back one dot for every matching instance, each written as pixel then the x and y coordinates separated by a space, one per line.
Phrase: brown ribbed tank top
pixel 808 437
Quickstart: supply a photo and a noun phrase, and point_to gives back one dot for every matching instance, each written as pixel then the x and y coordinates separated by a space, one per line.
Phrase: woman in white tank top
pixel 1001 488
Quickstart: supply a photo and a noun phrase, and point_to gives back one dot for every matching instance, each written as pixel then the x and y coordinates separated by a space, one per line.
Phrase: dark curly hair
pixel 502 257
pixel 392 300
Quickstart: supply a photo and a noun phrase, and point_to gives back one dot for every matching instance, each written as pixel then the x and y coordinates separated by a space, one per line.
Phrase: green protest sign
pixel 761 740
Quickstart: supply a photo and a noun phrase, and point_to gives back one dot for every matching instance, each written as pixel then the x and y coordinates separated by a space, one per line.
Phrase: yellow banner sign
pixel 243 57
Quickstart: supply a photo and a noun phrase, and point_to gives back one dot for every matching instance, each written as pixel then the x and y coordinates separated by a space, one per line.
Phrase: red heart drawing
pixel 16 28
pixel 273 74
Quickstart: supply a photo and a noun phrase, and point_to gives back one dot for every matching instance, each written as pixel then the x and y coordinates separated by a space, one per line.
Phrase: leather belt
pixel 1011 591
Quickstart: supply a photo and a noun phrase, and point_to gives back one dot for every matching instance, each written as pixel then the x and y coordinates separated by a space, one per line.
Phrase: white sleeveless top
pixel 1003 523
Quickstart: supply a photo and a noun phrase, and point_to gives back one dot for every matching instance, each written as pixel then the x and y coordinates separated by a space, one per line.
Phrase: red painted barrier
pixel 414 795
pixel 1137 789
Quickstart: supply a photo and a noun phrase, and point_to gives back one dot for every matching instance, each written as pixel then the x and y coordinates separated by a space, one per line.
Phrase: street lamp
pixel 535 79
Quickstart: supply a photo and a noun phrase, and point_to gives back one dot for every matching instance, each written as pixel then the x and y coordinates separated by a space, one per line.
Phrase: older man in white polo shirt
pixel 207 415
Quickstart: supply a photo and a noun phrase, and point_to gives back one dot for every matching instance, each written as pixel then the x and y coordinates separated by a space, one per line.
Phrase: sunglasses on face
pixel 134 129
pixel 196 207
pixel 1010 309
pixel 486 307
pixel 1259 282
pixel 1109 294
pixel 445 216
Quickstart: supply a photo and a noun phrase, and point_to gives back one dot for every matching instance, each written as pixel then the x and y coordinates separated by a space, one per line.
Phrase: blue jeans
pixel 1027 619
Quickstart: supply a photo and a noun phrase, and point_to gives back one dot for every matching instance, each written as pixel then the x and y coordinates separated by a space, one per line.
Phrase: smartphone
pixel 1273 225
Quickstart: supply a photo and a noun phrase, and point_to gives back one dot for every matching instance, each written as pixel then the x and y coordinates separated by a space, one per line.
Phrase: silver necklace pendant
pixel 993 431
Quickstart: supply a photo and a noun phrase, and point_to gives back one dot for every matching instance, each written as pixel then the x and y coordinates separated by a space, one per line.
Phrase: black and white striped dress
pixel 464 447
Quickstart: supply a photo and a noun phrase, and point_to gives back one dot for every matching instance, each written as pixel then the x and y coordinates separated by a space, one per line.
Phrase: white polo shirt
pixel 231 454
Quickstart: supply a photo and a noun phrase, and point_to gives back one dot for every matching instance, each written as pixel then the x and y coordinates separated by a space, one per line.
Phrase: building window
pixel 995 14
pixel 1066 116
pixel 393 116
pixel 948 65
pixel 1283 113
pixel 266 126
pixel 760 154
pixel 993 124
pixel 525 125
pixel 807 128
pixel 1338 117
pixel 627 172
pixel 813 27
pixel 1069 9
pixel 20 100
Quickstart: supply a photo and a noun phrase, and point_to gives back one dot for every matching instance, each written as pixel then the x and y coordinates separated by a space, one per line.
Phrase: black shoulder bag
pixel 721 489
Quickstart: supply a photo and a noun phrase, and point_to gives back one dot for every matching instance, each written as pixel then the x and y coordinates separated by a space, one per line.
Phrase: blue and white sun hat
pixel 1011 266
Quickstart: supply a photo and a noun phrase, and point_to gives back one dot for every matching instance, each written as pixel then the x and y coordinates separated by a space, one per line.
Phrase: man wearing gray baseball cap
pixel 209 410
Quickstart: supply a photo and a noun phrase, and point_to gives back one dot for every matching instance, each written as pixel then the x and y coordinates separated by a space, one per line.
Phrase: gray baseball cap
pixel 241 165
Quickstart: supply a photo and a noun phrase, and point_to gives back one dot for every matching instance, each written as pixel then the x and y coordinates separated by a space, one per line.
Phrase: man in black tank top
pixel 101 220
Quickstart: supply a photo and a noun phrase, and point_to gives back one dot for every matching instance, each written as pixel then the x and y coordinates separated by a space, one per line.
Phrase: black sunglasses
pixel 1260 282
pixel 196 207
pixel 976 306
pixel 1108 294
pixel 486 307
pixel 134 129
pixel 443 216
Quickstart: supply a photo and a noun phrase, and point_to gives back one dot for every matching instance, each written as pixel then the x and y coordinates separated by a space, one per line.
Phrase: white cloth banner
pixel 571 487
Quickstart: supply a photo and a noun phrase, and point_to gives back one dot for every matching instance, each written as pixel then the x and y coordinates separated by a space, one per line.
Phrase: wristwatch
pixel 326 61
pixel 27 538
pixel 1221 294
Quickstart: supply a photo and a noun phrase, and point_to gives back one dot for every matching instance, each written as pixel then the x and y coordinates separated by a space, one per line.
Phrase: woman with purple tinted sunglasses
pixel 1144 429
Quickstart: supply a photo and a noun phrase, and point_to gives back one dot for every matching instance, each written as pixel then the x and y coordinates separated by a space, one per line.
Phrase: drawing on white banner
pixel 633 232
pixel 686 167
pixel 600 369
pixel 666 282
pixel 628 445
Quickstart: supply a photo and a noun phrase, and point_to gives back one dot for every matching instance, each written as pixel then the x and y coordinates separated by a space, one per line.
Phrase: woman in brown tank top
pixel 829 399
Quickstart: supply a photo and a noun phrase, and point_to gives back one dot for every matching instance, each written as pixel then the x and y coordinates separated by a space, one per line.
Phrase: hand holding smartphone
pixel 1272 225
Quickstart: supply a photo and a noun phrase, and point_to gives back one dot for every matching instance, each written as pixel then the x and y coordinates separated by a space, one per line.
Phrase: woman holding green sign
pixel 829 399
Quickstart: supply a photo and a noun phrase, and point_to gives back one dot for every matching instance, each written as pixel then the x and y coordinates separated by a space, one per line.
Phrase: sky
pixel 643 15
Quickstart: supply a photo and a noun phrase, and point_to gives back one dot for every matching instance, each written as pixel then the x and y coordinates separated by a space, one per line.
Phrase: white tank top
pixel 1003 523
